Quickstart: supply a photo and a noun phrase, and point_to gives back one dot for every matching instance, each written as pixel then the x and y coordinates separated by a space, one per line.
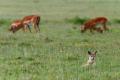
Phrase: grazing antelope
pixel 33 20
pixel 16 25
pixel 91 59
pixel 92 24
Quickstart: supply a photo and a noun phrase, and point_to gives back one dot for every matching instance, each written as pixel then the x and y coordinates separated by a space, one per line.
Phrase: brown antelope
pixel 33 20
pixel 91 59
pixel 92 24
pixel 16 25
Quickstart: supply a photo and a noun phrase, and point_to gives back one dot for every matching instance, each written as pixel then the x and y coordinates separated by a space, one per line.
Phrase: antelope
pixel 16 25
pixel 33 20
pixel 92 24
pixel 91 59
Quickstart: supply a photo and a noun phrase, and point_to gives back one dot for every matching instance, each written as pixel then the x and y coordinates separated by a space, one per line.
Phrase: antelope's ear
pixel 81 27
pixel 89 52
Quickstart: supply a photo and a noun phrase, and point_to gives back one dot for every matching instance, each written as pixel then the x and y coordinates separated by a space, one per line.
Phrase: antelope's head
pixel 12 29
pixel 82 28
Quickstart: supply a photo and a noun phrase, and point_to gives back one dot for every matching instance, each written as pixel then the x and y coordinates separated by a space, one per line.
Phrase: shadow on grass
pixel 24 58
pixel 116 21
pixel 47 40
pixel 25 44
pixel 69 58
pixel 5 21
pixel 76 20
pixel 6 43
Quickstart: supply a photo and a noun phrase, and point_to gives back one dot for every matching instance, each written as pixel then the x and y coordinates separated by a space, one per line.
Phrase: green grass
pixel 59 50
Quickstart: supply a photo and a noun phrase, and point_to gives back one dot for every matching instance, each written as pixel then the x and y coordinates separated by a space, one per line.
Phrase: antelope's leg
pixel 100 30
pixel 35 27
pixel 91 30
pixel 38 28
pixel 29 28
pixel 24 28
pixel 104 26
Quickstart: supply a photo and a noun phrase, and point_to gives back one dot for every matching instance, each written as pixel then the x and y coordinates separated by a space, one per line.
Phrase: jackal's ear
pixel 95 52
pixel 89 52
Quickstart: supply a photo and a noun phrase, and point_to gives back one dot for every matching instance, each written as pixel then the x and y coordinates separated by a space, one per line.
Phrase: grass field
pixel 59 51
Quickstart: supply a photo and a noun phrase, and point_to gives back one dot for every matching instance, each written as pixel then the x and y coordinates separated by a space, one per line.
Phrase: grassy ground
pixel 59 50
